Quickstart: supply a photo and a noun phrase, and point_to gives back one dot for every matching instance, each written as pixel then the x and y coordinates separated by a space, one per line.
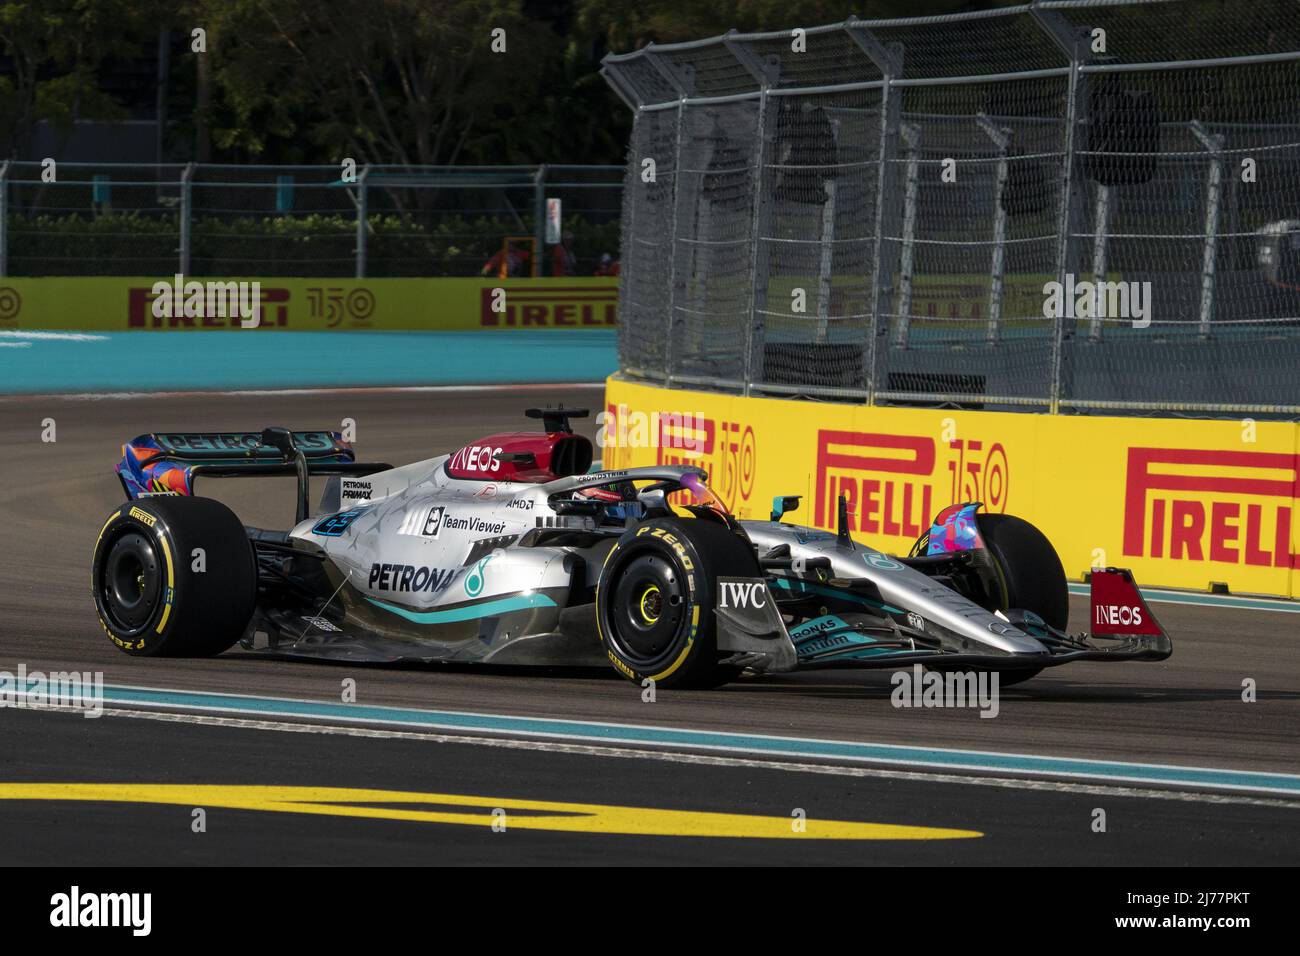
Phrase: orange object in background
pixel 512 260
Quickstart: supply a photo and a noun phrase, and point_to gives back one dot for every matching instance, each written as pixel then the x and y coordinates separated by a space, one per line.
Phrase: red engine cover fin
pixel 522 456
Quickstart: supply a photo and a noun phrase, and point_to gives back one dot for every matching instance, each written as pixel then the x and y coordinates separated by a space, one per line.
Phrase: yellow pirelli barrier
pixel 113 304
pixel 1183 503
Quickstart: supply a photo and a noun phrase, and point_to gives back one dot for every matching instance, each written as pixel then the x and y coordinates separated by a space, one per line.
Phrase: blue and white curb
pixel 638 735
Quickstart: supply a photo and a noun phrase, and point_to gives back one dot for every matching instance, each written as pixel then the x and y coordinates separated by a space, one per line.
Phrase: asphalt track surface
pixel 1186 712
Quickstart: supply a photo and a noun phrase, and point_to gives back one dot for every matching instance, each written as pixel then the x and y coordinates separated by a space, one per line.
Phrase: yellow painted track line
pixel 498 812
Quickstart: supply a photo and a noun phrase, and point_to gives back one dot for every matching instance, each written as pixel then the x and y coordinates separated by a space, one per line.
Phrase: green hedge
pixel 128 243
pixel 116 244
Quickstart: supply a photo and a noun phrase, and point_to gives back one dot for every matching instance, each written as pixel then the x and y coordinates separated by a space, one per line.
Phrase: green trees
pixel 57 51
pixel 406 82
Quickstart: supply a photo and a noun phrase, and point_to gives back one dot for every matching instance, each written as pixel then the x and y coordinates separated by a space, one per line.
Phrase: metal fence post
pixel 878 298
pixel 363 221
pixel 627 205
pixel 539 219
pixel 1100 236
pixel 186 214
pixel 889 60
pixel 1213 205
pixel 672 244
pixel 882 282
pixel 911 134
pixel 760 252
pixel 1065 36
pixel 4 218
pixel 632 99
pixel 1063 226
pixel 827 260
pixel 766 73
pixel 681 83
pixel 1002 140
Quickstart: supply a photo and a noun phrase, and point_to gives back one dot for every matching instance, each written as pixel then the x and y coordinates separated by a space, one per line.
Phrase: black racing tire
pixel 151 598
pixel 656 597
pixel 1029 567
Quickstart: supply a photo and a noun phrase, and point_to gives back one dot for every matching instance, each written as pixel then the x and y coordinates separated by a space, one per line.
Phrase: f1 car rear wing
pixel 168 463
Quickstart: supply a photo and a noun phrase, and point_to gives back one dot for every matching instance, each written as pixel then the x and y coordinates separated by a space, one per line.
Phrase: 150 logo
pixel 728 451
pixel 11 303
pixel 335 303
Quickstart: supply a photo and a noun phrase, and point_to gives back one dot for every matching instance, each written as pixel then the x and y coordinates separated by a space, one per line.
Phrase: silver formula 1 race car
pixel 511 550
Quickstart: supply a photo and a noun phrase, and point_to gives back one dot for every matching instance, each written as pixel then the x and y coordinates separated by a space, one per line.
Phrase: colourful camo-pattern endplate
pixel 141 476
pixel 955 530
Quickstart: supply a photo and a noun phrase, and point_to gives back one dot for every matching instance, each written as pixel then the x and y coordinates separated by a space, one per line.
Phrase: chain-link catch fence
pixel 1067 205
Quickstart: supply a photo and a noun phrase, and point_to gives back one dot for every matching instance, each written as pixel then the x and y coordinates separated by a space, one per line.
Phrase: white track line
pixel 669 756
pixel 52 336
pixel 739 750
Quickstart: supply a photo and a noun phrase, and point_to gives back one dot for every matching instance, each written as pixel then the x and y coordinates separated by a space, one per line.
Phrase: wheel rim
pixel 647 609
pixel 130 583
pixel 651 604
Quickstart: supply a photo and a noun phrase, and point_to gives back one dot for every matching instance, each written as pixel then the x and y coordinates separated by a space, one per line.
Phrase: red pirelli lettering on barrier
pixel 892 483
pixel 882 504
pixel 140 313
pixel 549 307
pixel 1182 528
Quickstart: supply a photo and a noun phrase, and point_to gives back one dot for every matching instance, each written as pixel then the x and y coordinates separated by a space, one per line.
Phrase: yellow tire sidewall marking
pixel 171 581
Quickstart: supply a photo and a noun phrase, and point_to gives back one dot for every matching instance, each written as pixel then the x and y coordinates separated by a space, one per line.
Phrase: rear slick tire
pixel 174 576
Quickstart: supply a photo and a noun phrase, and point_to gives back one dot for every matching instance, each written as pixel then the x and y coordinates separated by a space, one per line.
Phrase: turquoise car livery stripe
pixel 469 612
pixel 809 588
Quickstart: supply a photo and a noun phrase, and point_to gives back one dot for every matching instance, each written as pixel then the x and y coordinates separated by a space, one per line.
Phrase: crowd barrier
pixel 1184 503
pixel 125 304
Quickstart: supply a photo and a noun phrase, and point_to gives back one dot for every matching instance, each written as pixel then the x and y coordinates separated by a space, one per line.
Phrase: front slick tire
pixel 174 577
pixel 1031 571
pixel 656 598
pixel 1032 576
